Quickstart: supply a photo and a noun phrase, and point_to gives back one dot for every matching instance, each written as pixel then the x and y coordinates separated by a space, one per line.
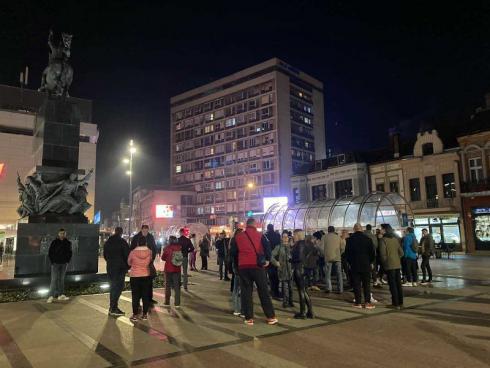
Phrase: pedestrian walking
pixel 187 248
pixel 204 251
pixel 150 243
pixel 426 250
pixel 140 258
pixel 116 253
pixel 391 252
pixel 252 250
pixel 410 248
pixel 281 259
pixel 59 255
pixel 174 259
pixel 359 253
pixel 333 248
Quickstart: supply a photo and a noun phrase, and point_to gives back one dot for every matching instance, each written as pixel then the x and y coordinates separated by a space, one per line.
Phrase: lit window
pixel 230 122
pixel 178 169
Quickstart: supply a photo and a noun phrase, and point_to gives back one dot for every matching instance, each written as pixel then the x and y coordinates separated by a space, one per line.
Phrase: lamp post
pixel 250 186
pixel 132 151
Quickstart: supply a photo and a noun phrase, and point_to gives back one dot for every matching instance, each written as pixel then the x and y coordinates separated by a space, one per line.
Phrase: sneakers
pixel 407 284
pixel 116 312
pixel 369 306
pixel 50 300
pixel 63 297
pixel 384 282
pixel 414 284
pixel 249 322
pixel 133 318
pixel 315 288
pixel 272 321
pixel 177 306
pixel 236 314
pixel 357 306
pixel 144 317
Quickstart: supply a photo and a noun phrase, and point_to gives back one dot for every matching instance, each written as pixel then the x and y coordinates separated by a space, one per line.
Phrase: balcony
pixel 434 203
pixel 474 186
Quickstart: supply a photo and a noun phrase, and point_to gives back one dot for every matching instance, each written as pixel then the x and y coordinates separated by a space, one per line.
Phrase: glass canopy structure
pixel 373 208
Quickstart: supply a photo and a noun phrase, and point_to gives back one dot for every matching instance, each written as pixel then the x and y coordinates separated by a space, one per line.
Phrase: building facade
pixel 475 186
pixel 17 114
pixel 160 208
pixel 335 177
pixel 242 137
pixel 429 180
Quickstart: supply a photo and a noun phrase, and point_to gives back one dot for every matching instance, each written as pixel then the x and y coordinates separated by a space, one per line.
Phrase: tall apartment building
pixel 240 138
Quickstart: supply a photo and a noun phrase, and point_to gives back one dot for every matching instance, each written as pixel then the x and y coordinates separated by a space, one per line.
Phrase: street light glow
pixel 132 149
pixel 250 185
pixel 126 160
pixel 128 172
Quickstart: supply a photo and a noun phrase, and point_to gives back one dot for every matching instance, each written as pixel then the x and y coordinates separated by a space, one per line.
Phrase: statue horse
pixel 57 78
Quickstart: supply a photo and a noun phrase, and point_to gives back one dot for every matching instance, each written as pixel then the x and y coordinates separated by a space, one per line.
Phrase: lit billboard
pixel 164 211
pixel 97 218
pixel 270 201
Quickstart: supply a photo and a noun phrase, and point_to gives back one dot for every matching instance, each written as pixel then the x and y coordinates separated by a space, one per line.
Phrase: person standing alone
pixel 359 253
pixel 410 247
pixel 172 255
pixel 139 260
pixel 59 254
pixel 426 250
pixel 116 252
pixel 204 251
pixel 391 252
pixel 150 243
pixel 333 247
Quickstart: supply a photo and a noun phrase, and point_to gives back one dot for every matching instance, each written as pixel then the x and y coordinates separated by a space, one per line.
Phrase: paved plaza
pixel 446 325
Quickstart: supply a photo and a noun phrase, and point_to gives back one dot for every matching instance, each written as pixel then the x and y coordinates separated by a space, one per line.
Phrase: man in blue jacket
pixel 410 247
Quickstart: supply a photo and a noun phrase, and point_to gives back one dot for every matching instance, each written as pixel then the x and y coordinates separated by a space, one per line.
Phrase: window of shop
pixel 414 184
pixel 449 185
pixel 443 230
pixel 481 228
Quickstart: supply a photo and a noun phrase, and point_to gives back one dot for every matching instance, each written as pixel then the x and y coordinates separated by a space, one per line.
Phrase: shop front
pixel 445 229
pixel 477 223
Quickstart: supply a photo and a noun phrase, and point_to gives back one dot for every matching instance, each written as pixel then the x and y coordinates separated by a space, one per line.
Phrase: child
pixel 281 258
pixel 172 255
pixel 139 260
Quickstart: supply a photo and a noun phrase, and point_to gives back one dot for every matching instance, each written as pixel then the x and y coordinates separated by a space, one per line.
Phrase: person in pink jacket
pixel 139 260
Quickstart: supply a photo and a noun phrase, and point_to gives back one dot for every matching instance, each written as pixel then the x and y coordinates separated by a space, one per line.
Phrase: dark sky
pixel 383 64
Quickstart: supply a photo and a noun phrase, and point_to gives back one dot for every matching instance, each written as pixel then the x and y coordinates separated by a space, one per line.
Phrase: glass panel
pixel 449 220
pixel 337 218
pixel 299 222
pixel 311 221
pixel 277 222
pixel 435 220
pixel 351 215
pixel 451 234
pixel 421 221
pixel 368 214
pixel 323 219
pixel 436 234
pixel 288 222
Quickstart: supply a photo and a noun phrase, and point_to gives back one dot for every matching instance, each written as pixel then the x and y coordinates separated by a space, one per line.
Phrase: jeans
pixel 58 272
pixel 328 275
pixel 116 280
pixel 236 295
pixel 363 278
pixel 425 266
pixel 304 297
pixel 309 276
pixel 395 282
pixel 172 281
pixel 185 277
pixel 411 270
pixel 247 278
pixel 141 290
pixel 287 293
pixel 222 265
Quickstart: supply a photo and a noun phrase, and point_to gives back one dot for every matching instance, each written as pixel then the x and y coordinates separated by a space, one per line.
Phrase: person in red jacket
pixel 139 260
pixel 173 257
pixel 251 246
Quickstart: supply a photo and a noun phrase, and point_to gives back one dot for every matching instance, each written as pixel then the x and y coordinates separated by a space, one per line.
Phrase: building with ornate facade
pixel 242 137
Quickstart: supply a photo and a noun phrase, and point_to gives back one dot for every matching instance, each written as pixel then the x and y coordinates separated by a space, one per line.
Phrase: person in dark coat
pixel 297 263
pixel 274 240
pixel 116 252
pixel 222 249
pixel 187 248
pixel 59 254
pixel 204 246
pixel 150 243
pixel 360 255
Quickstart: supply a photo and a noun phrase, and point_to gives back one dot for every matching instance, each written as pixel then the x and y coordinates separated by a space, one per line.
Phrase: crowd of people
pixel 274 263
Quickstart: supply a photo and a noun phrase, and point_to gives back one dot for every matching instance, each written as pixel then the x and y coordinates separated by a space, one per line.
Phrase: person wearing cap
pixel 116 252
pixel 59 254
pixel 187 247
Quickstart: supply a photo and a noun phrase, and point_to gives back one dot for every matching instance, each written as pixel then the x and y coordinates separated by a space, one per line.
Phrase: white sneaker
pixel 63 297
pixel 384 282
pixel 50 300
pixel 373 301
pixel 407 284
pixel 414 284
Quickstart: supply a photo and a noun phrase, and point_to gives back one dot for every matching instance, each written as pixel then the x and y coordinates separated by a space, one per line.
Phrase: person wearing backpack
pixel 172 255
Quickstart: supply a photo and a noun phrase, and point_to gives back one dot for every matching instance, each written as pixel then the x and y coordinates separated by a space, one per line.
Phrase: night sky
pixel 383 65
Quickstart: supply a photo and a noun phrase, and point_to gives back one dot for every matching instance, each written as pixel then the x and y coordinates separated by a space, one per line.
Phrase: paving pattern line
pixel 14 354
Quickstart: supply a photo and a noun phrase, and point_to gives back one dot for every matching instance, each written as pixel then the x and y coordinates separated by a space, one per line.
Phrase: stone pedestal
pixel 34 239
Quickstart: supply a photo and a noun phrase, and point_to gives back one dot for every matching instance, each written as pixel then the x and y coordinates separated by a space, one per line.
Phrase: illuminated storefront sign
pixel 164 211
pixel 270 201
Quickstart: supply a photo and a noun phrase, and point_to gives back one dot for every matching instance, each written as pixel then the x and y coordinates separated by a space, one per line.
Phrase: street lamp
pixel 132 151
pixel 250 186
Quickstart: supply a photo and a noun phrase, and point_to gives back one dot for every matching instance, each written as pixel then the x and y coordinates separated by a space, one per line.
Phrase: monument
pixel 54 196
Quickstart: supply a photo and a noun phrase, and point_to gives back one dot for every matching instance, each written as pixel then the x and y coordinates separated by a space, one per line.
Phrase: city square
pixel 208 185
